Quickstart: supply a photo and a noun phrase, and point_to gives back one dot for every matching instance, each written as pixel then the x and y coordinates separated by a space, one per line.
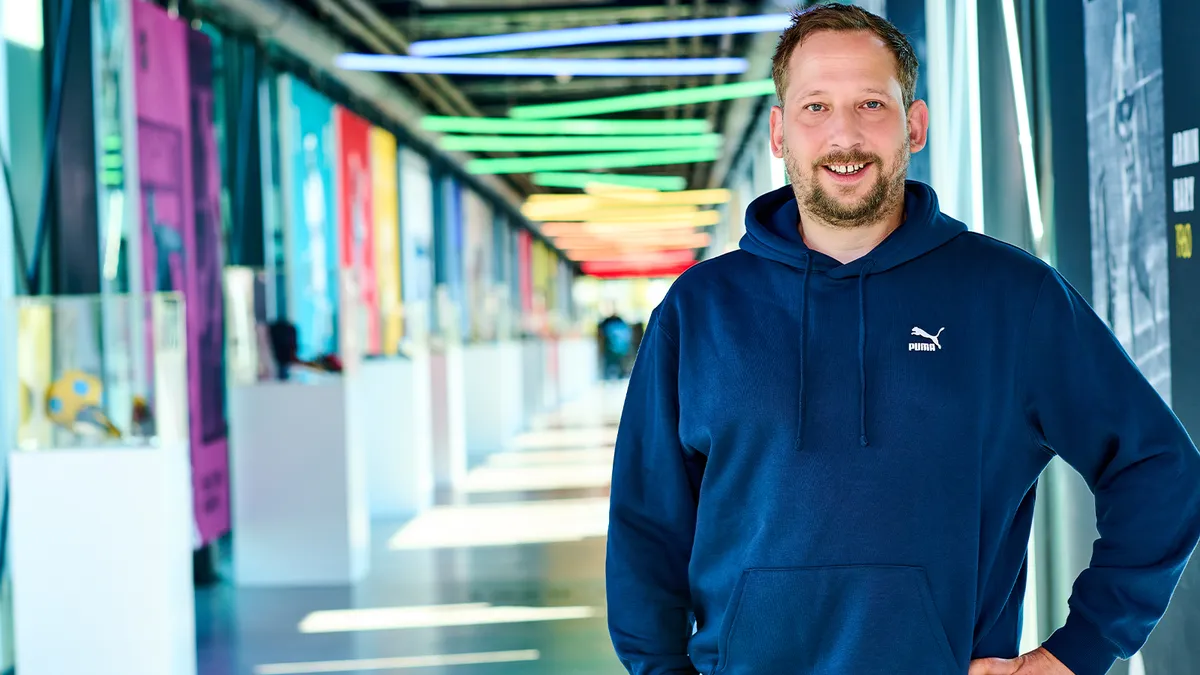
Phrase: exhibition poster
pixel 1124 61
pixel 1181 137
pixel 477 247
pixel 387 238
pixel 525 271
pixel 179 172
pixel 311 238
pixel 356 225
pixel 451 251
pixel 416 228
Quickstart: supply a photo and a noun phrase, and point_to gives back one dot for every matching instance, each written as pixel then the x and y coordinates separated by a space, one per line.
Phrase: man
pixel 827 459
pixel 617 339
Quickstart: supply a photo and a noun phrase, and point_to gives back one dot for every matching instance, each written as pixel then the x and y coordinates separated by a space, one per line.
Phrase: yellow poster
pixel 387 237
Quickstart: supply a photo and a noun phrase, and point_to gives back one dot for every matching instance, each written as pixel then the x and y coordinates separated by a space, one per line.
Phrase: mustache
pixel 847 157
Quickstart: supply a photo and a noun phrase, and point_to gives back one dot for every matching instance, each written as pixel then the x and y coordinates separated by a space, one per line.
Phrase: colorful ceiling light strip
pixel 701 219
pixel 582 180
pixel 573 211
pixel 606 160
pixel 572 244
pixel 578 143
pixel 390 63
pixel 657 99
pixel 633 239
pixel 615 230
pixel 609 197
pixel 657 30
pixel 620 270
pixel 503 125
pixel 598 255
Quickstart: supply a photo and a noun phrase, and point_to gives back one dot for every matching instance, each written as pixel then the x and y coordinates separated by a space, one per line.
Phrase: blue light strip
pixel 545 67
pixel 655 30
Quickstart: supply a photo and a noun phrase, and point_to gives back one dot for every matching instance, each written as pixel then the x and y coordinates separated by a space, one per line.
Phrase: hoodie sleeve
pixel 1088 403
pixel 652 517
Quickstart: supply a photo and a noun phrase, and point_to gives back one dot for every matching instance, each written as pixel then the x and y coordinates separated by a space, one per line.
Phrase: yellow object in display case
pixel 75 401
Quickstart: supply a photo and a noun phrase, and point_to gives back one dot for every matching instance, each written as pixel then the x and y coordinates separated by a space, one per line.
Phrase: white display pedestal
pixel 391 402
pixel 577 368
pixel 101 546
pixel 534 373
pixel 494 396
pixel 448 388
pixel 298 482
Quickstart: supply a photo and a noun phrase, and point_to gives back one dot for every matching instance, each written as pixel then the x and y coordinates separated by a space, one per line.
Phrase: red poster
pixel 355 218
pixel 525 270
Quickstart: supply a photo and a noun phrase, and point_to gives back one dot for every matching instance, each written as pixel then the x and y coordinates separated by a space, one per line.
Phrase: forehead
pixel 843 60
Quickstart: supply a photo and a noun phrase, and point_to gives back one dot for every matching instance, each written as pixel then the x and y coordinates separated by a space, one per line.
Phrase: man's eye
pixel 814 107
pixel 873 105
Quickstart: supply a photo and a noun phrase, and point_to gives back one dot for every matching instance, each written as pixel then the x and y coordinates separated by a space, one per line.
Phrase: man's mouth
pixel 846 169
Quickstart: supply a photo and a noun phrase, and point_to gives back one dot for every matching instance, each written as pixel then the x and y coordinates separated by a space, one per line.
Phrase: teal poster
pixel 311 240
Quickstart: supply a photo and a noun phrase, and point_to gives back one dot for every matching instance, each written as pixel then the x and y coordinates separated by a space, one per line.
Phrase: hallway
pixel 506 579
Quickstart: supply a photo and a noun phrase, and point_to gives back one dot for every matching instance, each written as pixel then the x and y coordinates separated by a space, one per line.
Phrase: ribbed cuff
pixel 1082 647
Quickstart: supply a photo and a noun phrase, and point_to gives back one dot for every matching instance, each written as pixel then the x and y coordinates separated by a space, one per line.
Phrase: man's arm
pixel 652 518
pixel 1089 403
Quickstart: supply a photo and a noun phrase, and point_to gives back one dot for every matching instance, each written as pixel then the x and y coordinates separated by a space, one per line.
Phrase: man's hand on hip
pixel 1037 662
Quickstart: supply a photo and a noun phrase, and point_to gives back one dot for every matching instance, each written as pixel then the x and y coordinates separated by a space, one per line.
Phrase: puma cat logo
pixel 926 346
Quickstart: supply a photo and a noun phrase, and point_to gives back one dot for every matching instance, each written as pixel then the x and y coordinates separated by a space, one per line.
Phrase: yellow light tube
pixel 625 197
pixel 696 197
pixel 558 229
pixel 600 212
pixel 586 244
pixel 649 256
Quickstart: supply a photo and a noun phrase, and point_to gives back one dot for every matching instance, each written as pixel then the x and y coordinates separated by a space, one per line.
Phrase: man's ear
pixel 918 126
pixel 777 132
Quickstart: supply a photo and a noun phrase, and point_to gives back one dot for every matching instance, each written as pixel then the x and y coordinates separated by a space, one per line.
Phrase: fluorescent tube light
pixel 503 125
pixel 582 180
pixel 578 143
pixel 657 99
pixel 605 160
pixel 391 63
pixel 656 30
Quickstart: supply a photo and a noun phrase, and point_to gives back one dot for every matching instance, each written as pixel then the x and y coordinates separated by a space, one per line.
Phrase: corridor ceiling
pixel 391 26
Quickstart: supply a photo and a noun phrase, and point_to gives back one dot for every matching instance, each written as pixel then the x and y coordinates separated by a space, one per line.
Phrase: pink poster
pixel 525 270
pixel 357 220
pixel 181 231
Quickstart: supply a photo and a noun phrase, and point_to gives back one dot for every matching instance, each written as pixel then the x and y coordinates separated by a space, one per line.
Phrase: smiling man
pixel 827 459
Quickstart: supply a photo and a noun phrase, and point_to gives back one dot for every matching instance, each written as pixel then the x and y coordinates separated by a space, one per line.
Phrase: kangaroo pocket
pixel 850 620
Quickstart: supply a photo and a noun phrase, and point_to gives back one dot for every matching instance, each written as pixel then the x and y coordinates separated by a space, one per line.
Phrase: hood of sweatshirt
pixel 773 232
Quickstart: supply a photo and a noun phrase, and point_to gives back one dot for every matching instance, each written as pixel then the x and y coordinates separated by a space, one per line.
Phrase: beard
pixel 883 197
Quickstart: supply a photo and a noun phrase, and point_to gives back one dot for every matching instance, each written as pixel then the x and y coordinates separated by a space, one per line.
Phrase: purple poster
pixel 181 230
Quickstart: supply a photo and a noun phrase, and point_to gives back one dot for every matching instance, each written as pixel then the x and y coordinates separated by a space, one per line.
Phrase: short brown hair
pixel 844 18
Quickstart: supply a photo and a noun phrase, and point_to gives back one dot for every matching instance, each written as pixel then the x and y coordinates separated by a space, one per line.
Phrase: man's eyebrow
pixel 868 90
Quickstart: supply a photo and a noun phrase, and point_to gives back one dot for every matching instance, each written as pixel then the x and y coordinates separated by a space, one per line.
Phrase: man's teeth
pixel 846 168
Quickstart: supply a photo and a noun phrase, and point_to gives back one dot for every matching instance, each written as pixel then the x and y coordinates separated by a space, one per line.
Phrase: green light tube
pixel 657 99
pixel 582 180
pixel 603 160
pixel 503 125
pixel 577 143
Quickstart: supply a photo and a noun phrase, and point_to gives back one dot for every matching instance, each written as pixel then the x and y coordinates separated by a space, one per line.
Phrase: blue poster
pixel 311 229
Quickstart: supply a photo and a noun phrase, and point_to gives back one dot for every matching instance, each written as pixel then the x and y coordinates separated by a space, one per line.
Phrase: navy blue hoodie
pixel 829 469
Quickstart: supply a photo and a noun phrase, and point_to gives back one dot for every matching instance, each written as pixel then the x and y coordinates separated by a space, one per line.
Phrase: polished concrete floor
pixel 506 578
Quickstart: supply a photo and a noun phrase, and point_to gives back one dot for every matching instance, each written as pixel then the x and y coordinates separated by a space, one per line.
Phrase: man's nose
pixel 845 128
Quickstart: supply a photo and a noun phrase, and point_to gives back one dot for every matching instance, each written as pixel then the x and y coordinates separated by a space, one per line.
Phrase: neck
pixel 847 244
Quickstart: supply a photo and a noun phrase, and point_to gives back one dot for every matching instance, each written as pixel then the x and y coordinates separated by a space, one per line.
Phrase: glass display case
pixel 99 371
